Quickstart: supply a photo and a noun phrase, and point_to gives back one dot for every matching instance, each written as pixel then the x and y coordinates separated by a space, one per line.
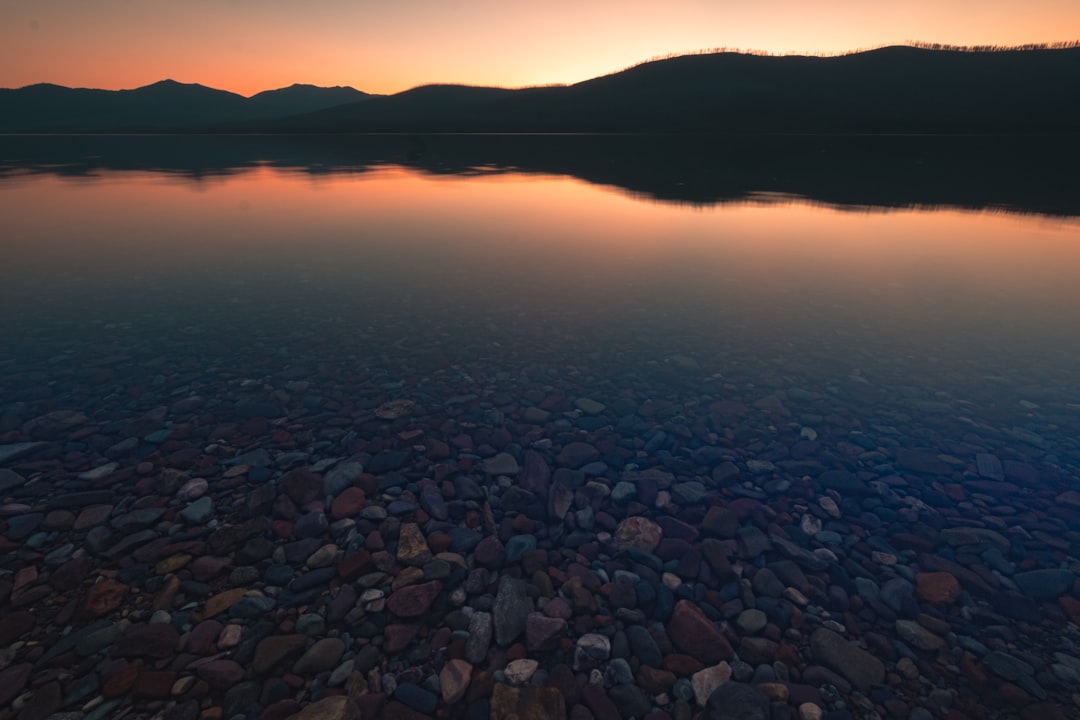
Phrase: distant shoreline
pixel 889 91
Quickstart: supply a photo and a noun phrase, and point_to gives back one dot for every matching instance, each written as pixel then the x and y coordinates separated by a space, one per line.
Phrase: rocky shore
pixel 348 546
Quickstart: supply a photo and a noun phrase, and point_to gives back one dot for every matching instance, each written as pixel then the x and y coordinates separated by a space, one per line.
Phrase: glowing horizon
pixel 246 47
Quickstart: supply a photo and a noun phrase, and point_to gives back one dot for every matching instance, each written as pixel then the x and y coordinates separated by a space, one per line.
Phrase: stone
pixel 706 681
pixel 530 702
pixel 638 532
pixel 939 588
pixel 414 600
pixel 221 674
pixel 454 680
pixel 479 640
pixel 322 656
pixel 736 701
pixel 501 464
pixel 511 610
pixel 519 672
pixel 576 454
pixel 412 547
pixel 861 669
pixel 103 598
pixel 276 649
pixel 154 640
pixel 590 650
pixel 335 707
pixel 693 633
pixel 916 635
pixel 751 622
pixel 1044 584
pixel 542 632
pixel 198 512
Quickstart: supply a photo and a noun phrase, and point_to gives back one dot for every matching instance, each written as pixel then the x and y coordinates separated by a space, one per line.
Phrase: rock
pixel 154 640
pixel 630 701
pixel 103 598
pixel 638 532
pixel 542 632
pixel 348 504
pixel 454 680
pixel 736 701
pixel 479 640
pixel 591 650
pixel 12 681
pixel 937 587
pixel 412 548
pixel 530 702
pixel 416 697
pixel 697 636
pixel 511 610
pixel 915 634
pixel 706 681
pixel 490 553
pixel 322 656
pixel 519 672
pixel 335 707
pixel 861 669
pixel 501 464
pixel 1044 584
pixel 221 674
pixel 750 622
pixel 643 646
pixel 414 600
pixel 576 454
pixel 276 649
pixel 198 512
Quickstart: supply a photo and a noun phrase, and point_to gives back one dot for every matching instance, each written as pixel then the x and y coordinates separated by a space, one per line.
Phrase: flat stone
pixel 706 681
pixel 335 707
pixel 530 702
pixel 576 454
pixel 154 640
pixel 736 701
pixel 322 656
pixel 454 680
pixel 412 547
pixel 198 512
pixel 638 532
pixel 103 598
pixel 861 669
pixel 694 634
pixel 501 464
pixel 542 632
pixel 414 600
pixel 511 610
pixel 1044 584
pixel 939 588
pixel 276 649
pixel 519 672
pixel 221 674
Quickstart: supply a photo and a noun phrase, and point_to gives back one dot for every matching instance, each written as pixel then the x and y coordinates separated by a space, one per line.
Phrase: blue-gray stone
pixel 198 512
pixel 518 545
pixel 1044 584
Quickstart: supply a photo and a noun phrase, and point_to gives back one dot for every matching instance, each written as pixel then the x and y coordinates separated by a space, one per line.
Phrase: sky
pixel 386 46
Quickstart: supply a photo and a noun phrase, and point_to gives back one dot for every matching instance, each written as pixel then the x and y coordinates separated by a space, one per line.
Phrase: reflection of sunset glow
pixel 247 47
pixel 539 220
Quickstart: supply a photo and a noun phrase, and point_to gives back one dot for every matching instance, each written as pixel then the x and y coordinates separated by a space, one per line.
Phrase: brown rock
pixel 414 600
pixel 221 674
pixel 454 680
pixel 153 640
pixel 696 635
pixel 44 701
pixel 302 486
pixel 275 649
pixel 348 504
pixel 937 587
pixel 122 681
pixel 13 626
pixel 155 685
pixel 531 702
pixel 638 532
pixel 412 548
pixel 12 681
pixel 862 669
pixel 222 602
pixel 102 598
pixel 335 707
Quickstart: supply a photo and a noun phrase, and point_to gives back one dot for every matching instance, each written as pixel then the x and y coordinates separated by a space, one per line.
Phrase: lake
pixel 470 427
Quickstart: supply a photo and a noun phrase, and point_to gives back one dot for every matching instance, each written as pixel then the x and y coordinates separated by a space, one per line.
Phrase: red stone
pixel 121 682
pixel 696 635
pixel 155 685
pixel 102 598
pixel 348 504
pixel 937 587
pixel 355 565
pixel 414 600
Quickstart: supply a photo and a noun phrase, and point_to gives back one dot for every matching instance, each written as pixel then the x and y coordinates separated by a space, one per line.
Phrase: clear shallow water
pixel 931 352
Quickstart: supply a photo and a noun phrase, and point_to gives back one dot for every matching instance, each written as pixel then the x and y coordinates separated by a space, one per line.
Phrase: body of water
pixel 422 435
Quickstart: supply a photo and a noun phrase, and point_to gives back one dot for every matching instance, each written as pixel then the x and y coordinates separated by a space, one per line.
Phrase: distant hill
pixel 165 105
pixel 889 90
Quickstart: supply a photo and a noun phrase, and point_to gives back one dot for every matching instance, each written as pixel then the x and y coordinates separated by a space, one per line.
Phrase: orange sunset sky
pixel 385 46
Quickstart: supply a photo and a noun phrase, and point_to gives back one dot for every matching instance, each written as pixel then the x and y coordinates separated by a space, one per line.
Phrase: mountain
pixel 889 90
pixel 165 105
pixel 895 89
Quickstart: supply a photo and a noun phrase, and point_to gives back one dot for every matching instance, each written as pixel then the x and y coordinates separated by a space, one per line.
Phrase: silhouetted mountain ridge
pixel 894 89
pixel 164 105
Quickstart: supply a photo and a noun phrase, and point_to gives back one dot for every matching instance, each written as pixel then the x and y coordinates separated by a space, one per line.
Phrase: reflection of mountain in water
pixel 1022 174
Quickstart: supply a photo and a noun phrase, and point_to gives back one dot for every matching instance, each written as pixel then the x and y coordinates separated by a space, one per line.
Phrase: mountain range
pixel 888 90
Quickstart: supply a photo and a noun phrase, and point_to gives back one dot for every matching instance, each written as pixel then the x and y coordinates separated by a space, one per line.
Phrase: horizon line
pixel 914 44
